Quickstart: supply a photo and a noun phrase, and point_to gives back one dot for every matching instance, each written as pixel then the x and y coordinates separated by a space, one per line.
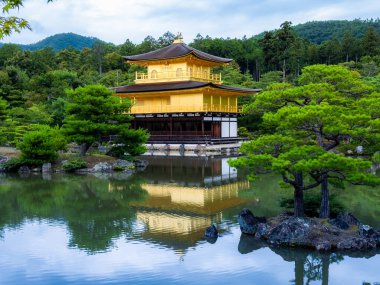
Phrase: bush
pixel 14 164
pixel 376 157
pixel 74 164
pixel 41 145
pixel 118 168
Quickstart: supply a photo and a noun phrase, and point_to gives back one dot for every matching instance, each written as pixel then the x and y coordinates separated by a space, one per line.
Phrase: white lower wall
pixel 233 129
pixel 225 129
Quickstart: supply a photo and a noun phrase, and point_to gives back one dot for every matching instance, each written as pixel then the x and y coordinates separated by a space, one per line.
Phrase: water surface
pixel 148 229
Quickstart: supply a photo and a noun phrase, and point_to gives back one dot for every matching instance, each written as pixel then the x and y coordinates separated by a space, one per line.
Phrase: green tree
pixel 92 113
pixel 309 122
pixel 41 145
pixel 371 42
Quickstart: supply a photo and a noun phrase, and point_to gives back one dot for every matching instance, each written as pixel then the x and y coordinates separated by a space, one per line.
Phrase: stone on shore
pixel 248 222
pixel 345 232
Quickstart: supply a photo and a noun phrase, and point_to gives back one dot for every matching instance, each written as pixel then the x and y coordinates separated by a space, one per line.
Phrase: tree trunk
pixel 325 204
pixel 284 71
pixel 298 195
pixel 83 149
pixel 299 270
pixel 325 269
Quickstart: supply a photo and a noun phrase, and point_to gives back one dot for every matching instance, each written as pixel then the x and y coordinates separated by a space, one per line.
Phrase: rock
pixel 369 233
pixel 293 231
pixel 24 169
pixel 248 222
pixel 261 230
pixel 102 167
pixel 141 164
pixel 355 243
pixel 359 149
pixel 3 159
pixel 211 232
pixel 46 168
pixel 37 169
pixel 345 220
pixel 123 163
pixel 322 245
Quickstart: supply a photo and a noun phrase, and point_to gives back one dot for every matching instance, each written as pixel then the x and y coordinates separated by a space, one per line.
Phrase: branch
pixel 311 186
pixel 287 180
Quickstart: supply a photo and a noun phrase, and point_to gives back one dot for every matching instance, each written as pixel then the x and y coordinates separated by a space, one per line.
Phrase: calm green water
pixel 147 229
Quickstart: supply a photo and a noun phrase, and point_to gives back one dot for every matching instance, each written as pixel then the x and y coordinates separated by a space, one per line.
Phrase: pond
pixel 147 228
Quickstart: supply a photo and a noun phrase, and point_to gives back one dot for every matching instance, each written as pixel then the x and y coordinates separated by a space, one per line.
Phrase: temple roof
pixel 179 85
pixel 176 50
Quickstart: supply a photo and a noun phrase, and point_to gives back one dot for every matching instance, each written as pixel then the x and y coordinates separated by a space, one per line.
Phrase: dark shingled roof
pixel 174 51
pixel 181 85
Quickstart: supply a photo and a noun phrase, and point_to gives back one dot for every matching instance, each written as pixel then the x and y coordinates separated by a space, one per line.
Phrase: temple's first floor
pixel 188 128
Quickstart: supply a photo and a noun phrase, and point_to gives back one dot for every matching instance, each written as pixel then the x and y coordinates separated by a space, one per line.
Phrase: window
pixel 153 74
pixel 179 72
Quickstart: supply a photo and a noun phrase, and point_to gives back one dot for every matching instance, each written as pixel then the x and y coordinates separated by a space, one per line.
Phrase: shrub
pixel 41 145
pixel 118 168
pixel 376 157
pixel 74 164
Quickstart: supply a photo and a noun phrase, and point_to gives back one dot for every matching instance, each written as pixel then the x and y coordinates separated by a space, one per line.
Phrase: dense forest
pixel 34 84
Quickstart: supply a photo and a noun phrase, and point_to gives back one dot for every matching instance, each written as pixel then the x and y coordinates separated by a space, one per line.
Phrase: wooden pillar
pixel 203 127
pixel 171 125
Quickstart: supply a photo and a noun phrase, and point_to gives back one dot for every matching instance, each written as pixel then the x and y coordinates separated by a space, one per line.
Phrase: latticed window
pixel 179 72
pixel 153 74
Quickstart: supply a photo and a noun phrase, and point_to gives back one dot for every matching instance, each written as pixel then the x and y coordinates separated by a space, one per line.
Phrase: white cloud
pixel 117 20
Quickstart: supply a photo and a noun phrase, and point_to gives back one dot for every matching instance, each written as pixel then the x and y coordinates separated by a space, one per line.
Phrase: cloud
pixel 116 20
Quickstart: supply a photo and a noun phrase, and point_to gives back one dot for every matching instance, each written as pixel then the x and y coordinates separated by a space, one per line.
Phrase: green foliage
pixel 130 143
pixel 330 107
pixel 11 23
pixel 13 164
pixel 93 112
pixel 118 168
pixel 62 41
pixel 41 145
pixel 321 31
pixel 73 164
pixel 376 157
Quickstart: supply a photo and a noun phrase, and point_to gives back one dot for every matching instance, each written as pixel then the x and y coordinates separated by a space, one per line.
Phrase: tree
pixel 41 145
pixel 92 112
pixel 11 23
pixel 371 42
pixel 310 122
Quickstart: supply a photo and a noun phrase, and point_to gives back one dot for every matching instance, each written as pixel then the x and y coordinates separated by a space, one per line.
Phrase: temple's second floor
pixel 177 62
pixel 177 71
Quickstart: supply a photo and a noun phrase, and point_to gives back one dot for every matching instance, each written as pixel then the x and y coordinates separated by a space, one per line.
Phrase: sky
pixel 117 20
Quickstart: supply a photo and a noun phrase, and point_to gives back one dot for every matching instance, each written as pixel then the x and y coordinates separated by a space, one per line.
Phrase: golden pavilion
pixel 179 100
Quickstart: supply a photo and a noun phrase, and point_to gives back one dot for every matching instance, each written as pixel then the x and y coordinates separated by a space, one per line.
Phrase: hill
pixel 62 41
pixel 321 31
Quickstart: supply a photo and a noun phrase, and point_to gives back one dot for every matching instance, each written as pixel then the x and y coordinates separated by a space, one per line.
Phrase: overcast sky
pixel 117 20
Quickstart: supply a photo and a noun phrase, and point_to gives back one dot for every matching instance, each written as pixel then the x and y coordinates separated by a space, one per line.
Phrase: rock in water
pixel 46 167
pixel 211 232
pixel 248 222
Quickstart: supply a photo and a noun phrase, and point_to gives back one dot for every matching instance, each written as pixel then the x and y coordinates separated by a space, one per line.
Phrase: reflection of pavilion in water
pixel 186 195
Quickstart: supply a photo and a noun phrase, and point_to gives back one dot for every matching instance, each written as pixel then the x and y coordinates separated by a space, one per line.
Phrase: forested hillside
pixel 320 31
pixel 62 41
